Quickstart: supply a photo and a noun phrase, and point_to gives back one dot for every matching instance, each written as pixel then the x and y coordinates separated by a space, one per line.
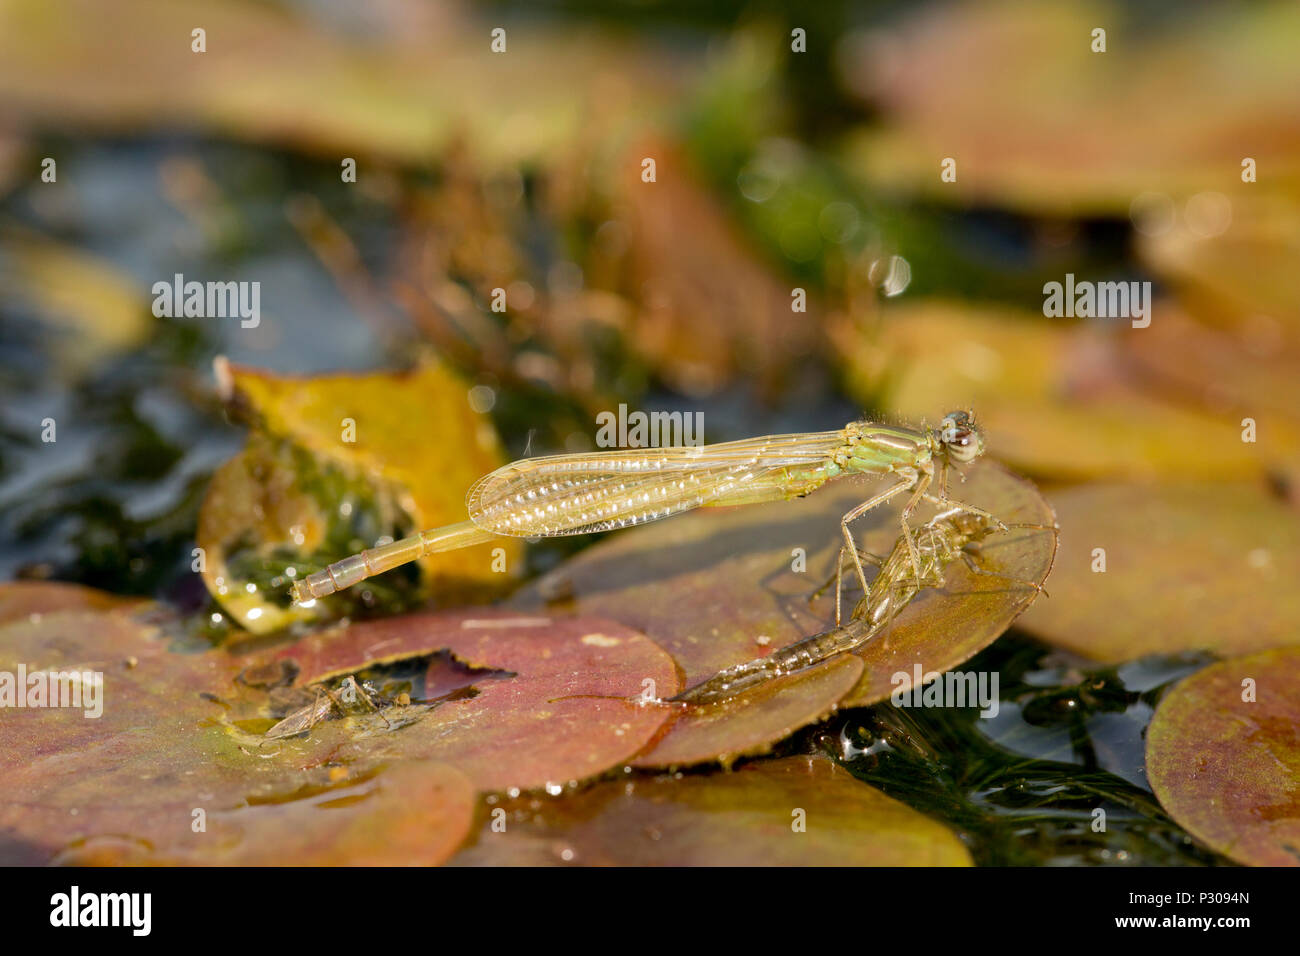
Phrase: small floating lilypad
pixel 796 811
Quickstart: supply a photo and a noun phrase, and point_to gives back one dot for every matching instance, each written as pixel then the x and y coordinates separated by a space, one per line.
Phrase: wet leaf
pixel 798 811
pixel 335 463
pixel 1189 566
pixel 1052 398
pixel 1225 766
pixel 717 587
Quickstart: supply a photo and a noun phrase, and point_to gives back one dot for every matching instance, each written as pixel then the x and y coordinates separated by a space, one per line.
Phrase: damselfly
pixel 600 491
pixel 949 536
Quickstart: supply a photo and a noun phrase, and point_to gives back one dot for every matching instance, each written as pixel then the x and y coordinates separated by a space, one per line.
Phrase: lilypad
pixel 565 708
pixel 100 311
pixel 181 737
pixel 1223 758
pixel 1188 566
pixel 718 587
pixel 334 463
pixel 797 811
pixel 159 776
pixel 1242 278
pixel 414 813
pixel 1241 370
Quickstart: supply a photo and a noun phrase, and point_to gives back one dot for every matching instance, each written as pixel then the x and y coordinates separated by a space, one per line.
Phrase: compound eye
pixel 962 443
pixel 951 429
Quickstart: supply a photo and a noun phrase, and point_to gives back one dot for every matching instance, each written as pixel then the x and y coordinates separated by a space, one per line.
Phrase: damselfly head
pixel 961 440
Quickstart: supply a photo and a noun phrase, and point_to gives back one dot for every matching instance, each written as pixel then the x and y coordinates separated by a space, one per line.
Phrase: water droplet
pixel 891 274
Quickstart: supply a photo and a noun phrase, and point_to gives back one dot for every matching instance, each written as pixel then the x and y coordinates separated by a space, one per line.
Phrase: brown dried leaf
pixel 710 310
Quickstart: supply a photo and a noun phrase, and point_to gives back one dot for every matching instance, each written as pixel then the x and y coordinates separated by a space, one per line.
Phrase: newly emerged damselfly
pixel 600 491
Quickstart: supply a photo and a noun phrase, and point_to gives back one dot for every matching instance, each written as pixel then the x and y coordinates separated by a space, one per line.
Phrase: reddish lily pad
pixel 415 813
pixel 797 811
pixel 1189 566
pixel 178 734
pixel 1223 758
pixel 336 462
pixel 565 710
pixel 1224 369
pixel 161 776
pixel 100 311
pixel 716 587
